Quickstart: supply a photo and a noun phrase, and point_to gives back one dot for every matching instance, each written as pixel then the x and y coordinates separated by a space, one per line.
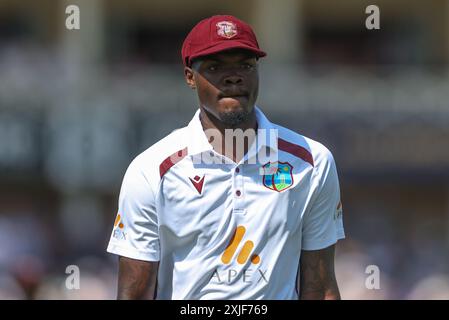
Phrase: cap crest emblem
pixel 226 29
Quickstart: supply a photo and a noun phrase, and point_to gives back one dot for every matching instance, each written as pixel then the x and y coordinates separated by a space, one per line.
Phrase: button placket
pixel 238 188
pixel 238 191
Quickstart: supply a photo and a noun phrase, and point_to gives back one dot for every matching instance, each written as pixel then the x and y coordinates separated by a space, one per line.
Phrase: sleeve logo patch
pixel 339 211
pixel 118 232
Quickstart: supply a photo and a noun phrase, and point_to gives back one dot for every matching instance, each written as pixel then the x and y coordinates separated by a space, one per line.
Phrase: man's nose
pixel 233 79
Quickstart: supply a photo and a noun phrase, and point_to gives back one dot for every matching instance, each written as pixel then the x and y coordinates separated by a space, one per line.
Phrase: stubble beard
pixel 234 118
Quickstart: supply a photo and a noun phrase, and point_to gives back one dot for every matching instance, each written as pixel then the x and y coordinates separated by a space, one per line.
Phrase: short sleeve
pixel 323 223
pixel 135 232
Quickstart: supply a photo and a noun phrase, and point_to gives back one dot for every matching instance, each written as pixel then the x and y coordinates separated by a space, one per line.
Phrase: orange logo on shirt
pixel 118 222
pixel 244 253
pixel 119 233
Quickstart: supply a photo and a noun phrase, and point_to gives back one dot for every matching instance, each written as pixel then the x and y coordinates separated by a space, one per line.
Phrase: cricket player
pixel 232 206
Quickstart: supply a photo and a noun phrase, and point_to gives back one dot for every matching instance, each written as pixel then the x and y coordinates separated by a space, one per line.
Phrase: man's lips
pixel 234 95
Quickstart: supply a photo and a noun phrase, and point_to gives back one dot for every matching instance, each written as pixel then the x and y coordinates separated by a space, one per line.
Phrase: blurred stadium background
pixel 77 106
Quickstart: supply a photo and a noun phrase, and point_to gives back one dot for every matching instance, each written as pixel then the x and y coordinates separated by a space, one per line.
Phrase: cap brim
pixel 225 46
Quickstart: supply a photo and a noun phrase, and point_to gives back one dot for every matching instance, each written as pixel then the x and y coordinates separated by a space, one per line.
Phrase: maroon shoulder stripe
pixel 295 150
pixel 171 161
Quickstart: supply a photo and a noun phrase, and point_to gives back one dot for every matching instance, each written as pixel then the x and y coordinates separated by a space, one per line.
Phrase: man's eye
pixel 247 66
pixel 212 68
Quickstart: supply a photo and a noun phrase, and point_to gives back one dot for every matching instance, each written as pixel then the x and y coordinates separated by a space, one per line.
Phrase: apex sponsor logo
pixel 338 211
pixel 247 275
pixel 118 222
pixel 119 227
pixel 243 256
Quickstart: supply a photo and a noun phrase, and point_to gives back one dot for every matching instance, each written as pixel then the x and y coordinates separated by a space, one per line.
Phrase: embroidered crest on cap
pixel 226 29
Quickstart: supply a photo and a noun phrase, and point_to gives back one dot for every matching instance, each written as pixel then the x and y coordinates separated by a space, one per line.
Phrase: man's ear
pixel 190 79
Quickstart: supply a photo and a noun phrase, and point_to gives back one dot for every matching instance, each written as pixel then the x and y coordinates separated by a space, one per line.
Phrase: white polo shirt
pixel 228 230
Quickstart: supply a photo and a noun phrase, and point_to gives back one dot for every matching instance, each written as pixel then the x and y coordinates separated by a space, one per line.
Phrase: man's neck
pixel 209 122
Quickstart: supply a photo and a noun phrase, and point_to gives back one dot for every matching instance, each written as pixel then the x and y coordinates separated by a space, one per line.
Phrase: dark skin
pixel 136 279
pixel 227 85
pixel 317 276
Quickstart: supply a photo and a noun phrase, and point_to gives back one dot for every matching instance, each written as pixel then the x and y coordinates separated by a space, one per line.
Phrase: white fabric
pixel 166 219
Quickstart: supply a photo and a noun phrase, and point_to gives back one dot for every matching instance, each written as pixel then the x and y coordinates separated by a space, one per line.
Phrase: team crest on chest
pixel 277 176
pixel 226 29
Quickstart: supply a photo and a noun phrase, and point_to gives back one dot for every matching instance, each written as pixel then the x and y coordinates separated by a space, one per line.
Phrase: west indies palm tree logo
pixel 277 176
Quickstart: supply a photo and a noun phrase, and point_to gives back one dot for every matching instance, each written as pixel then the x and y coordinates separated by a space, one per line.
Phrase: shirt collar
pixel 197 141
pixel 266 135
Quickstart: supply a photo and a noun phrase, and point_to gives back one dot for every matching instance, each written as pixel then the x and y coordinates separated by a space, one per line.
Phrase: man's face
pixel 227 84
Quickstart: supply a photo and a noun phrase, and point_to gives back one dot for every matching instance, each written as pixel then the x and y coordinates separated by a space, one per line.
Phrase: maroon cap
pixel 219 33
